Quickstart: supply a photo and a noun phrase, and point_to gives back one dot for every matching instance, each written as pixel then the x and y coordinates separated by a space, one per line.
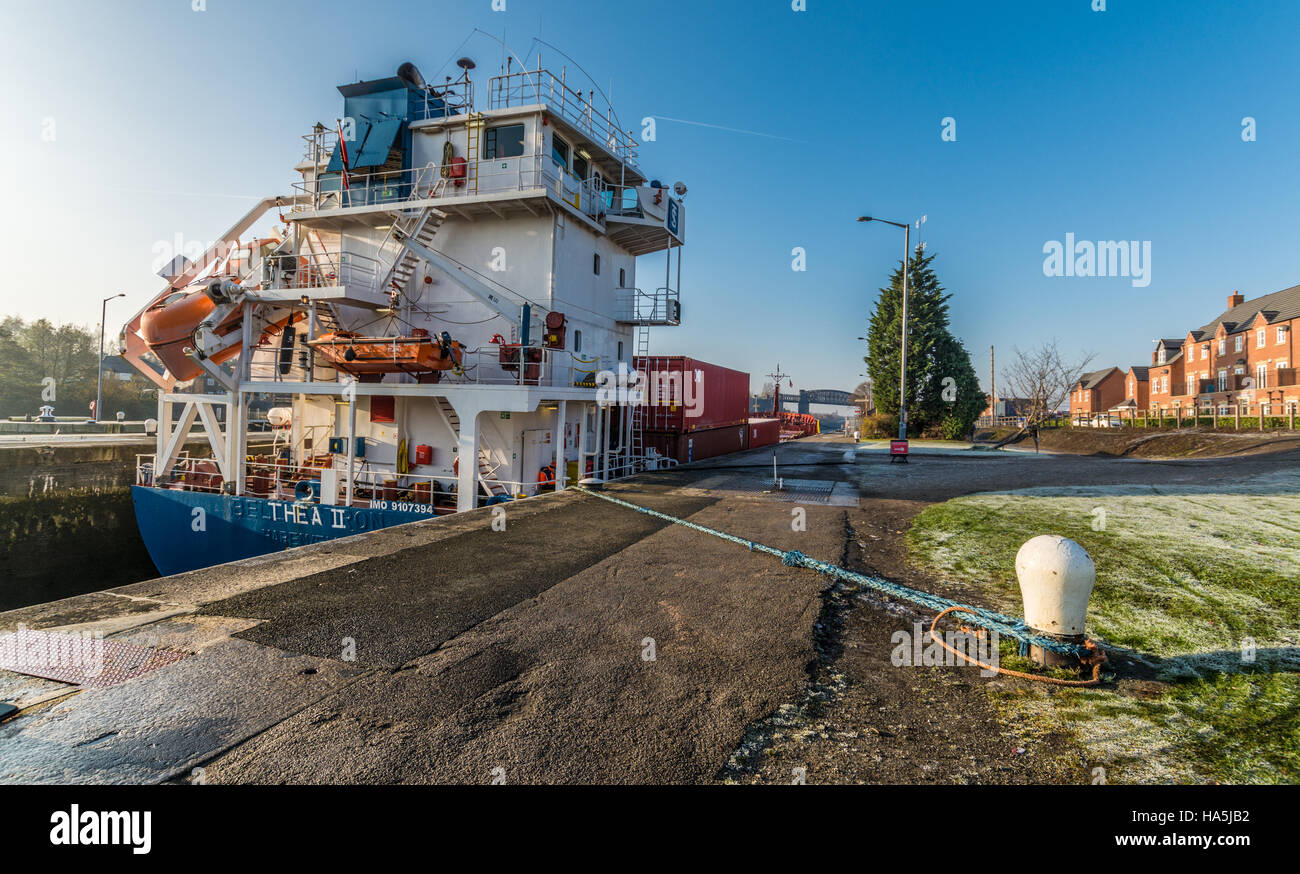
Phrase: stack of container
pixel 707 415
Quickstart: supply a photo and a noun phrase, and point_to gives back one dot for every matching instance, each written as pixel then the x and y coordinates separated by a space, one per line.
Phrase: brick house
pixel 1097 392
pixel 1137 388
pixel 1242 360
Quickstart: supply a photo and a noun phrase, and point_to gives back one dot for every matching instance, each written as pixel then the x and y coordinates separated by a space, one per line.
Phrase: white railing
pixel 636 307
pixel 482 177
pixel 486 365
pixel 585 110
pixel 310 269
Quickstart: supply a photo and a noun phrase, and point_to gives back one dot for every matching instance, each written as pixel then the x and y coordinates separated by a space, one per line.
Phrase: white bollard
pixel 1056 578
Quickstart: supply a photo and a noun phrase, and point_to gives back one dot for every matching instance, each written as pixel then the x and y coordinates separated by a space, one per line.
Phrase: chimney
pixel 1235 299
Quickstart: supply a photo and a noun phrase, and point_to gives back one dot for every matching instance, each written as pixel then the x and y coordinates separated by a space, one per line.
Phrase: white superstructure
pixel 509 225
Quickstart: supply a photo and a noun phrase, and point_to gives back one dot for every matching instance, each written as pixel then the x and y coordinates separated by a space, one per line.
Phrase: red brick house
pixel 1097 392
pixel 1137 389
pixel 1242 360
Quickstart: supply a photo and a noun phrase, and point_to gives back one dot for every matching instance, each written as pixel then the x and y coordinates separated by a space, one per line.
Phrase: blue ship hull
pixel 184 531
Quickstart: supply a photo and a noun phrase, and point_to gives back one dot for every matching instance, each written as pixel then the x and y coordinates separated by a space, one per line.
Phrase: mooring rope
pixel 1002 624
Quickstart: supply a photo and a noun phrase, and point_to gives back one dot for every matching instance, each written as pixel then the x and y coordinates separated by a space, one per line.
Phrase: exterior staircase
pixel 486 469
pixel 422 227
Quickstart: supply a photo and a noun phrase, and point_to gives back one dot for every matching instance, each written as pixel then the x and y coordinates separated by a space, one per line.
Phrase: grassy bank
pixel 1199 585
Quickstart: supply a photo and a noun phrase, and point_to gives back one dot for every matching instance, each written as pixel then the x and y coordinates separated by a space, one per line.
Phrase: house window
pixel 1259 338
pixel 1205 351
pixel 1223 380
pixel 1225 410
pixel 1191 385
pixel 595 264
pixel 1281 333
pixel 1223 346
pixel 1261 376
pixel 503 142
pixel 577 341
pixel 1237 343
pixel 1161 356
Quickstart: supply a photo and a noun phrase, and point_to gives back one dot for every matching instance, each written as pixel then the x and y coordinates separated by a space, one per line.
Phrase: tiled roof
pixel 1140 371
pixel 1280 306
pixel 1090 380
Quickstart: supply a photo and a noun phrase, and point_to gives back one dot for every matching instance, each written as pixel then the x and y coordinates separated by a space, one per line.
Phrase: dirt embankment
pixel 1141 443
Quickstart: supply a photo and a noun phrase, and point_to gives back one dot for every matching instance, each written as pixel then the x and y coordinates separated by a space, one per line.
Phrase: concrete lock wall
pixel 66 521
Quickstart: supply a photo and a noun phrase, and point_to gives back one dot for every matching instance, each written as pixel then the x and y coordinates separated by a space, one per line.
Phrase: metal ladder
pixel 473 133
pixel 637 459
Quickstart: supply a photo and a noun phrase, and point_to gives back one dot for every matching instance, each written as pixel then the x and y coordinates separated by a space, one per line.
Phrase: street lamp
pixel 99 389
pixel 902 369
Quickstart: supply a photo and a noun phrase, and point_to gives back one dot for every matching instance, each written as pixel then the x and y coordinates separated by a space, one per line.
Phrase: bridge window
pixel 595 264
pixel 577 341
pixel 559 152
pixel 506 141
pixel 622 277
pixel 581 167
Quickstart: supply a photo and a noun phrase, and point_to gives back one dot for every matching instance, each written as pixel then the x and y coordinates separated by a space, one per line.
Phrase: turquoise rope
pixel 1002 624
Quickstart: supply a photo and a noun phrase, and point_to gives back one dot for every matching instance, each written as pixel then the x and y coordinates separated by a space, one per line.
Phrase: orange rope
pixel 1096 660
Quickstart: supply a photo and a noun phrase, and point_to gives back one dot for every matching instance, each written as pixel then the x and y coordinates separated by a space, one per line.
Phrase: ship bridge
pixel 538 146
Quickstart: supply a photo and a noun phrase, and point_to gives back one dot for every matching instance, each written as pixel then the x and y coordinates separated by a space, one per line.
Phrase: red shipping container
pixel 764 432
pixel 697 445
pixel 685 394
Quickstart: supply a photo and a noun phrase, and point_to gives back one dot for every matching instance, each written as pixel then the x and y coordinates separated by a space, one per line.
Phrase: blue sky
pixel 1116 125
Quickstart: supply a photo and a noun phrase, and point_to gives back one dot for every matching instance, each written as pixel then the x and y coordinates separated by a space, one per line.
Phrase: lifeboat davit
pixel 364 356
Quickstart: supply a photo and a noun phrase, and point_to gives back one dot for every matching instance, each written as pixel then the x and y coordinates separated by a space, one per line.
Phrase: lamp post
pixel 99 388
pixel 902 369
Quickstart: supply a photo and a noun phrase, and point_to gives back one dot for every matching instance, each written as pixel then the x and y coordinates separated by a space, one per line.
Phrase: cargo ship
pixel 447 312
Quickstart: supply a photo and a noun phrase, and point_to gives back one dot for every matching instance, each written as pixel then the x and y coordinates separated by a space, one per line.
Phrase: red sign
pixel 897 447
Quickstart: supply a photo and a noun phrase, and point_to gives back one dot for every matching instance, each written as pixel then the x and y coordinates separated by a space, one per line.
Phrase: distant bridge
pixel 805 399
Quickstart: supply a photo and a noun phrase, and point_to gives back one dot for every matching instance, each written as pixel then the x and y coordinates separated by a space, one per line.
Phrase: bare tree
pixel 1040 380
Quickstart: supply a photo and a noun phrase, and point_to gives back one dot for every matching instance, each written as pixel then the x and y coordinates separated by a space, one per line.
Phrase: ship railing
pixel 453 98
pixel 588 111
pixel 512 364
pixel 315 269
pixel 593 197
pixel 188 473
pixel 636 307
pixel 429 181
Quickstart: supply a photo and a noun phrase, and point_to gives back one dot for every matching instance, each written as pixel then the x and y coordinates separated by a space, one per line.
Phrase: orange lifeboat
pixel 365 356
pixel 168 328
